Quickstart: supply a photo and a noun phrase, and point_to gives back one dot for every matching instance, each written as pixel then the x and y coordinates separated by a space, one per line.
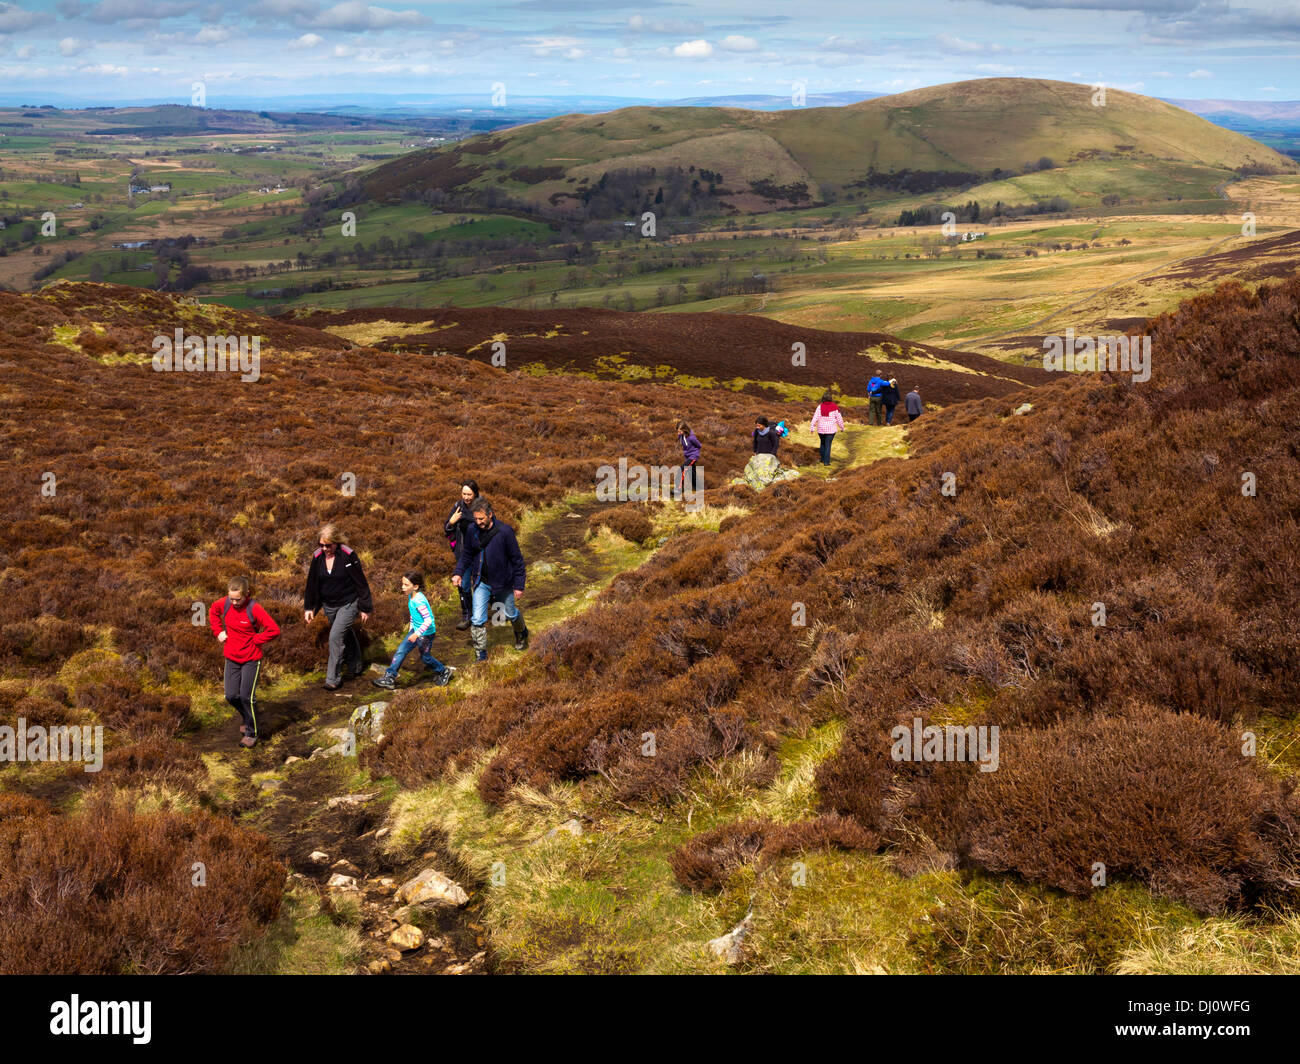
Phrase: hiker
pixel 460 531
pixel 914 407
pixel 690 455
pixel 889 399
pixel 242 628
pixel 337 584
pixel 494 570
pixel 826 422
pixel 875 398
pixel 418 636
pixel 766 439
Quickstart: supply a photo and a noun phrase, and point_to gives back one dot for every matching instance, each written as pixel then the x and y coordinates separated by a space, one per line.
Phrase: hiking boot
pixel 445 677
pixel 386 682
pixel 333 686
pixel 480 655
pixel 463 625
pixel 521 641
pixel 248 741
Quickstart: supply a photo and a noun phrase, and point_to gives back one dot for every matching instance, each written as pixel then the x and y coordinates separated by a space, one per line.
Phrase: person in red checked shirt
pixel 242 628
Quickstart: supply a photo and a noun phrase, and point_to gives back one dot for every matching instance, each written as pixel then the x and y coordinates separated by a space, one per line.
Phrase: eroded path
pixel 325 815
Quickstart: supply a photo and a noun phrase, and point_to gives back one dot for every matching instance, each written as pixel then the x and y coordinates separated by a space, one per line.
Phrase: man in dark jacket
pixel 766 440
pixel 337 584
pixel 494 572
pixel 914 407
pixel 462 535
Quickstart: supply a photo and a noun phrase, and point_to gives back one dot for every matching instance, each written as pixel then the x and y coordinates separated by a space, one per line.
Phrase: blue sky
pixel 132 49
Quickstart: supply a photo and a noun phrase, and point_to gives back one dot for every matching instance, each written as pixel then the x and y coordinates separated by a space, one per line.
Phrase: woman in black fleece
pixel 337 584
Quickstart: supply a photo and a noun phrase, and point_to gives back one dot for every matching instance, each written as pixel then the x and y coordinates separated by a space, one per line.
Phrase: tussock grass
pixel 1235 945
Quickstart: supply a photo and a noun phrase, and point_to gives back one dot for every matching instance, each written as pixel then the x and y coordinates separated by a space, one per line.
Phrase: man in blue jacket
pixel 494 573
pixel 875 399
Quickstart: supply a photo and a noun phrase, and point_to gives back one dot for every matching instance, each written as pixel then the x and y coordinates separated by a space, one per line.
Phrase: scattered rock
pixel 394 955
pixel 407 937
pixel 730 947
pixel 318 857
pixel 341 750
pixel 381 833
pixel 1023 408
pixel 346 867
pixel 338 881
pixel 292 759
pixel 271 785
pixel 379 967
pixel 474 964
pixel 432 886
pixel 366 722
pixel 543 568
pixel 349 801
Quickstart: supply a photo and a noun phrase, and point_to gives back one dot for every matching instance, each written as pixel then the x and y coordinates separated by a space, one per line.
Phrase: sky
pixel 112 50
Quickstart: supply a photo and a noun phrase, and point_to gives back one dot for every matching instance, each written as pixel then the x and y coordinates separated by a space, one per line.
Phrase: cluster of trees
pixel 971 211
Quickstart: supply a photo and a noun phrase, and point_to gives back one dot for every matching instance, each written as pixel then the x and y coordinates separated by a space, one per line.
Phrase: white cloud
pixel 307 40
pixel 693 50
pixel 354 15
pixel 1200 74
pixel 72 46
pixel 104 70
pixel 26 51
pixel 212 35
pixel 734 42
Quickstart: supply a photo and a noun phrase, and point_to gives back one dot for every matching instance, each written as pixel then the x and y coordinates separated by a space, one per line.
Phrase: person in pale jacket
pixel 826 422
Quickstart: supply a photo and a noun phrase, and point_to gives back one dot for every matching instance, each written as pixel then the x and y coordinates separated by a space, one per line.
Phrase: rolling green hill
pixel 709 160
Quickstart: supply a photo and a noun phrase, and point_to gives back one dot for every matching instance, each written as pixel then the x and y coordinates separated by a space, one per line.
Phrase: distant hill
pixel 711 159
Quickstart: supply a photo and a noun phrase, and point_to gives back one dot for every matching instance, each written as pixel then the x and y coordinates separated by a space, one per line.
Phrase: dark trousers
pixel 827 439
pixel 241 689
pixel 874 416
pixel 912 417
pixel 889 413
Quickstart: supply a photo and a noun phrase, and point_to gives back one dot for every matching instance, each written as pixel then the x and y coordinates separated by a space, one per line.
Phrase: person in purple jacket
pixel 690 456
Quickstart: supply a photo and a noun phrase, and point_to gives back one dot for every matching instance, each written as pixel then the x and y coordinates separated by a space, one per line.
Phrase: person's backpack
pixel 228 607
pixel 781 429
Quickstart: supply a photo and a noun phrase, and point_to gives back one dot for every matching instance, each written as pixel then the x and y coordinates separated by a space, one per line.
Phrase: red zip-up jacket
pixel 243 642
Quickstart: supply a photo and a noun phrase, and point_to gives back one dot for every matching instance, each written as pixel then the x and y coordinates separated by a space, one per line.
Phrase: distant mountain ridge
pixel 941 136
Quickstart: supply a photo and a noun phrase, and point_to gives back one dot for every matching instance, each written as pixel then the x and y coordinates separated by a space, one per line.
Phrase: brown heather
pixel 1120 745
pixel 110 890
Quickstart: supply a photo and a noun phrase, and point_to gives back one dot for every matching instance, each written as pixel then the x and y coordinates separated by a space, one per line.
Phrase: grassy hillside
pixel 942 136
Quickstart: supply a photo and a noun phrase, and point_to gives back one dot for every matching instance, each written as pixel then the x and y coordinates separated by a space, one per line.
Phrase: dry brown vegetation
pixel 709 345
pixel 1121 744
pixel 111 890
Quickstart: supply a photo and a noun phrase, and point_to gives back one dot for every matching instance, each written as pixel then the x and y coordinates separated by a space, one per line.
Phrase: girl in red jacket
pixel 242 627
